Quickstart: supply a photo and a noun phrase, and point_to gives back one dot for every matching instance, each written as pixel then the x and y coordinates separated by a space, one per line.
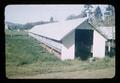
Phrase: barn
pixel 71 38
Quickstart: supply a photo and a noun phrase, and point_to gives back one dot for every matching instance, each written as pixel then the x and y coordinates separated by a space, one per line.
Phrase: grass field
pixel 25 58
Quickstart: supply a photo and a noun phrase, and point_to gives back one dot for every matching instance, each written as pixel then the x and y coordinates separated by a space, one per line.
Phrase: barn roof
pixel 108 31
pixel 57 30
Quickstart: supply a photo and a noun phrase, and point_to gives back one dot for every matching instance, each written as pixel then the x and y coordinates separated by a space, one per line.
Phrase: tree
pixel 88 9
pixel 88 6
pixel 110 9
pixel 98 13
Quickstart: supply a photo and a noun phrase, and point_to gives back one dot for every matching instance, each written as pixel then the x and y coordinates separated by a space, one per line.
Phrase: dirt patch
pixel 84 74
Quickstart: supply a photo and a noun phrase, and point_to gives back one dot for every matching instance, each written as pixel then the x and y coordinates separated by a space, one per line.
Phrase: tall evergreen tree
pixel 98 13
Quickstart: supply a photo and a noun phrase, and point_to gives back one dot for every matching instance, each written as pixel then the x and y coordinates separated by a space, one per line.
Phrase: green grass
pixel 25 57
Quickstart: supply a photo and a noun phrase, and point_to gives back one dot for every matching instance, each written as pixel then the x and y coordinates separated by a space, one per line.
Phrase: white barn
pixel 71 38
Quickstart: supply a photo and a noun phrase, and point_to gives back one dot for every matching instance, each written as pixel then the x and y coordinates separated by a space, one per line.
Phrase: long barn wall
pixel 51 43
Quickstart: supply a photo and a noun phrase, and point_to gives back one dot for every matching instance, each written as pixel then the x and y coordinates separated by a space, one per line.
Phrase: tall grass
pixel 24 50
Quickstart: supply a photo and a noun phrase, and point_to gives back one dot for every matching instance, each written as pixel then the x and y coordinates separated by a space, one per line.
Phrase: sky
pixel 33 13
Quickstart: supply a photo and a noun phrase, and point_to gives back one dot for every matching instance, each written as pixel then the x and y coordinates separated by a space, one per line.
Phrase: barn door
pixel 83 43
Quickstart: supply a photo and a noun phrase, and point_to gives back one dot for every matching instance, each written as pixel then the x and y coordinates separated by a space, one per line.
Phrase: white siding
pixel 53 44
pixel 98 45
pixel 68 47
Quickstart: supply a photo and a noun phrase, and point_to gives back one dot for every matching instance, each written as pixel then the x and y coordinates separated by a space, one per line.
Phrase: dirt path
pixel 85 74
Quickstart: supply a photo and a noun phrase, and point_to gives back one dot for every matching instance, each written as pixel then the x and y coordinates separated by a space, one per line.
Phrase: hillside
pixel 15 26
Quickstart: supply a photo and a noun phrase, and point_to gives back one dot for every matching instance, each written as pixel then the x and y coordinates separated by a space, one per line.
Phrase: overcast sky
pixel 32 13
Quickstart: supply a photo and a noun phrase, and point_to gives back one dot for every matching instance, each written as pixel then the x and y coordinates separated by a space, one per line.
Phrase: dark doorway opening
pixel 83 43
pixel 110 48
